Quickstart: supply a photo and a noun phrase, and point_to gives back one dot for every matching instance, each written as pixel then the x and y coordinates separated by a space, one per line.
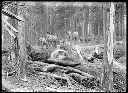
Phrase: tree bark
pixel 123 6
pixel 108 52
pixel 83 27
pixel 105 47
pixel 110 46
pixel 125 22
pixel 48 27
pixel 115 36
pixel 88 32
pixel 86 20
pixel 23 56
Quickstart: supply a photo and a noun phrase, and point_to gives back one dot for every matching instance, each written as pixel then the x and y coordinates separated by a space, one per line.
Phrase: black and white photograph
pixel 57 46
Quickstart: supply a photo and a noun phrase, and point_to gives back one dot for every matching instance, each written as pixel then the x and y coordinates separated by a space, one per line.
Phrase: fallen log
pixel 37 62
pixel 79 72
pixel 50 68
pixel 91 70
pixel 84 68
pixel 56 62
pixel 70 69
pixel 62 63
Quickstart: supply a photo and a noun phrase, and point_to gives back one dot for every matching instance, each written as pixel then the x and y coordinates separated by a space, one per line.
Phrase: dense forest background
pixel 87 20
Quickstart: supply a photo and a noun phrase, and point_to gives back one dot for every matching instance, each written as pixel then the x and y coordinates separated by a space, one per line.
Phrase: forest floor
pixel 44 83
pixel 40 83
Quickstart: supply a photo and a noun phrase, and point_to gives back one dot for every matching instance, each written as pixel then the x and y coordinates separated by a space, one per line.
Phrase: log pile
pixel 90 72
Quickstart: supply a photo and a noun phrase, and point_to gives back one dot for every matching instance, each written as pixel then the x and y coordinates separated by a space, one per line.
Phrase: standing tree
pixel 18 40
pixel 108 52
pixel 125 21
pixel 110 45
pixel 86 21
pixel 48 21
pixel 21 38
pixel 83 27
pixel 89 23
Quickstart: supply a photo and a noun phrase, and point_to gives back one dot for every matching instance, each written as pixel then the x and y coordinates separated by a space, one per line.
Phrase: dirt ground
pixel 38 84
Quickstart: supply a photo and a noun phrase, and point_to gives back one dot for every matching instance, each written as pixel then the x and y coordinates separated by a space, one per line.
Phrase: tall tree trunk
pixel 104 65
pixel 65 25
pixel 108 52
pixel 47 10
pixel 50 19
pixel 116 21
pixel 23 56
pixel 115 35
pixel 110 46
pixel 122 17
pixel 83 27
pixel 72 26
pixel 96 22
pixel 2 39
pixel 74 22
pixel 99 21
pixel 86 20
pixel 89 23
pixel 125 20
pixel 120 32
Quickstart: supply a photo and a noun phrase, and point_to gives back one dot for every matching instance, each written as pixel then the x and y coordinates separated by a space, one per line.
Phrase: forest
pixel 63 46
